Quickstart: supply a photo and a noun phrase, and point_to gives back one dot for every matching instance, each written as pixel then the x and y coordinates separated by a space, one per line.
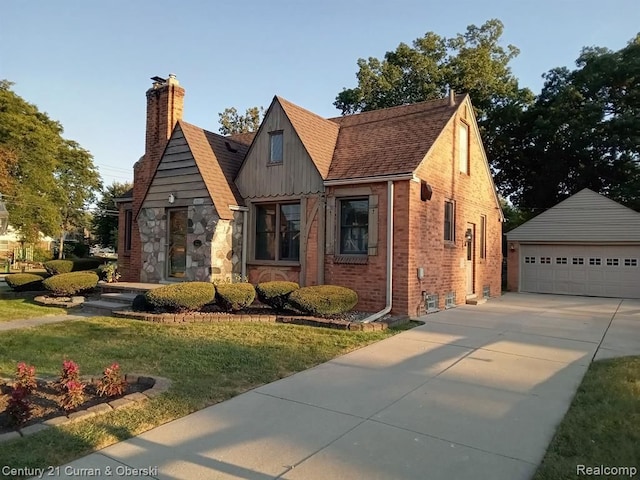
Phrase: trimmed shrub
pixel 323 299
pixel 275 294
pixel 180 297
pixel 24 282
pixel 140 304
pixel 56 267
pixel 235 296
pixel 71 283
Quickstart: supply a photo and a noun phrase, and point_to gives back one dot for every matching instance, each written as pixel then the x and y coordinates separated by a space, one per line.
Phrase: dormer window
pixel 275 147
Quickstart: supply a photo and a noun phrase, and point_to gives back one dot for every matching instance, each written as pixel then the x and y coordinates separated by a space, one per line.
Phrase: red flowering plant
pixel 112 383
pixel 25 377
pixel 70 372
pixel 18 407
pixel 73 396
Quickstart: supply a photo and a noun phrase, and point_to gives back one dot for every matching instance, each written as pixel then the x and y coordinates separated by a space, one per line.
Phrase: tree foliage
pixel 105 219
pixel 583 131
pixel 473 62
pixel 232 122
pixel 42 174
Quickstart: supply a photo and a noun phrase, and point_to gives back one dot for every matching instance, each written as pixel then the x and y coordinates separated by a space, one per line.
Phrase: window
pixel 545 259
pixel 277 231
pixel 486 291
pixel 431 301
pixel 630 262
pixel 529 259
pixel 561 260
pixel 612 262
pixel 354 226
pixel 595 261
pixel 449 222
pixel 577 261
pixel 463 147
pixel 275 147
pixel 483 236
pixel 450 300
pixel 128 226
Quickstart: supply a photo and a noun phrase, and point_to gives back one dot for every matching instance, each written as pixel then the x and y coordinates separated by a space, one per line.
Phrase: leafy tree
pixel 583 131
pixel 232 122
pixel 105 219
pixel 473 62
pixel 77 180
pixel 41 173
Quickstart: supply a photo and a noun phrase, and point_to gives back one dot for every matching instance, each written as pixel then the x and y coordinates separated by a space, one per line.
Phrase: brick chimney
pixel 165 102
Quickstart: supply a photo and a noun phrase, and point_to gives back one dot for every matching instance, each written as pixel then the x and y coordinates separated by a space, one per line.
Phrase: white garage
pixel 585 245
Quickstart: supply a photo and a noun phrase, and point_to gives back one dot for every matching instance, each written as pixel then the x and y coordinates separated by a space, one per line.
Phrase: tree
pixel 232 122
pixel 105 219
pixel 473 62
pixel 583 131
pixel 41 173
pixel 77 180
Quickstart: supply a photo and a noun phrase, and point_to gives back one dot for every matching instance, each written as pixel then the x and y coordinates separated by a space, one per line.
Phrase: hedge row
pixel 56 267
pixel 71 283
pixel 24 282
pixel 319 300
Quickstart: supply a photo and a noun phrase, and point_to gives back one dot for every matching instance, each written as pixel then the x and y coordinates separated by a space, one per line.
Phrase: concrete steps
pixel 109 302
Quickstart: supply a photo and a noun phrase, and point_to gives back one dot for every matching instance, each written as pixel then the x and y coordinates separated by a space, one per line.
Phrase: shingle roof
pixel 243 138
pixel 317 134
pixel 218 158
pixel 389 141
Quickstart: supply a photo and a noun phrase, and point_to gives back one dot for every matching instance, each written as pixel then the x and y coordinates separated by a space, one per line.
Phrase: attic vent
pixel 230 148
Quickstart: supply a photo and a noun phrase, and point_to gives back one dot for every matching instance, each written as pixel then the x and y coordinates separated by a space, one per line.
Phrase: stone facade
pixel 213 249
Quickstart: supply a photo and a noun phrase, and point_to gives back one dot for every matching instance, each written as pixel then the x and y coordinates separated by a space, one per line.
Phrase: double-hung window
pixel 354 226
pixel 277 231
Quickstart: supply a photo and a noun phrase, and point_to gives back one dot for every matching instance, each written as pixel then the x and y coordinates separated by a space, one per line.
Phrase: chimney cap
pixel 157 79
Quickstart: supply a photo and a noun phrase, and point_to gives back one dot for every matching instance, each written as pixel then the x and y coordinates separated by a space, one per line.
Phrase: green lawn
pixel 207 363
pixel 602 426
pixel 21 308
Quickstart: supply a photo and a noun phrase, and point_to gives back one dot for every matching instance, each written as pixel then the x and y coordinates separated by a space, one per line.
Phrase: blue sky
pixel 88 64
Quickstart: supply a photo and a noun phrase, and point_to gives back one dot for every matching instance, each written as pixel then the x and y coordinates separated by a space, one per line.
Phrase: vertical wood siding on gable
pixel 296 175
pixel 178 174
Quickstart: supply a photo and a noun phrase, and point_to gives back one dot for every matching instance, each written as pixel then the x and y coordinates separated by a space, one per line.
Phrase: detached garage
pixel 585 245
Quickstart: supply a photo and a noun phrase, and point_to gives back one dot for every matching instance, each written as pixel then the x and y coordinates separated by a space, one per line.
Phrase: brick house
pixel 398 204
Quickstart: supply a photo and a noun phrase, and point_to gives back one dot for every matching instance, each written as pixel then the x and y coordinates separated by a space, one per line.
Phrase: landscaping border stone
pixel 62 302
pixel 155 386
pixel 270 318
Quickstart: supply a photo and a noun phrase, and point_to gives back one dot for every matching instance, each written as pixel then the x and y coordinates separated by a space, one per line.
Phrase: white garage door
pixel 601 271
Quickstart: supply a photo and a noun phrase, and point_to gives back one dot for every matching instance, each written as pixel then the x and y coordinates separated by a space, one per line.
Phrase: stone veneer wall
pixel 213 249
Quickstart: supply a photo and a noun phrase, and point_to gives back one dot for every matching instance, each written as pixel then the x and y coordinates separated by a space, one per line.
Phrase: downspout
pixel 389 296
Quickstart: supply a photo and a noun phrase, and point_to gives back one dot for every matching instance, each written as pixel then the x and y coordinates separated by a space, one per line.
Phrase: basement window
pixel 486 291
pixel 450 300
pixel 431 302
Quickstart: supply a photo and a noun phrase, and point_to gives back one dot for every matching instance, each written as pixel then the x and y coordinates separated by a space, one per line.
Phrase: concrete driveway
pixel 476 392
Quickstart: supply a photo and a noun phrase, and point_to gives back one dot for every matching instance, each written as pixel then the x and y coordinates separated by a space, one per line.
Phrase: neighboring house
pixel 585 245
pixel 398 204
pixel 11 246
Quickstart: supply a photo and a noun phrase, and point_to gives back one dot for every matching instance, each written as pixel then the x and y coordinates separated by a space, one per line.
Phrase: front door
pixel 177 243
pixel 470 238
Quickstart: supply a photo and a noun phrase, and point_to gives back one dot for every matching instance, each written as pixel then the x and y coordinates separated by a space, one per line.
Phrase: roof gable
pixel 317 134
pixel 584 217
pixel 218 159
pixel 388 141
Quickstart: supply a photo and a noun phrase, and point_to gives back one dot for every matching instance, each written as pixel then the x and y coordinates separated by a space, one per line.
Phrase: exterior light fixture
pixel 172 198
pixel 512 247
pixel 468 236
pixel 4 217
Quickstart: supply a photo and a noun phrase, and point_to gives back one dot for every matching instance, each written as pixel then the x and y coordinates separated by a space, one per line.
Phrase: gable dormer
pixel 289 155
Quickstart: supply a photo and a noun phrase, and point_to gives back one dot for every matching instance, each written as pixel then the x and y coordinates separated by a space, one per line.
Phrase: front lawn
pixel 602 426
pixel 22 308
pixel 207 363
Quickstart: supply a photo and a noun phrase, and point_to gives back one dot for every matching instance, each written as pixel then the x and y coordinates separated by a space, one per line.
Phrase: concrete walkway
pixel 37 321
pixel 477 392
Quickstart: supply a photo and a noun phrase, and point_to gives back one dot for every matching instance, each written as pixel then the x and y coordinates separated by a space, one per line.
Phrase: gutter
pixel 378 179
pixel 389 296
pixel 245 226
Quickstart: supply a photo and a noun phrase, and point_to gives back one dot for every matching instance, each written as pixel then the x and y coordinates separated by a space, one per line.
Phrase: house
pixel 398 204
pixel 585 245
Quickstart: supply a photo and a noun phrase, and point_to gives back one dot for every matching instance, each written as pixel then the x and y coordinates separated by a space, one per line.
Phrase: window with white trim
pixel 595 261
pixel 529 259
pixel 561 260
pixel 613 262
pixel 630 262
pixel 577 261
pixel 483 236
pixel 545 260
pixel 463 147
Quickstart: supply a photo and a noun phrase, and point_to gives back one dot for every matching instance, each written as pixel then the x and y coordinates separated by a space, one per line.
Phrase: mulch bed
pixel 45 401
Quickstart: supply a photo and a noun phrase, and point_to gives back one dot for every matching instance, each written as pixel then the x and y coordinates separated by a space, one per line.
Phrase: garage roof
pixel 585 217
